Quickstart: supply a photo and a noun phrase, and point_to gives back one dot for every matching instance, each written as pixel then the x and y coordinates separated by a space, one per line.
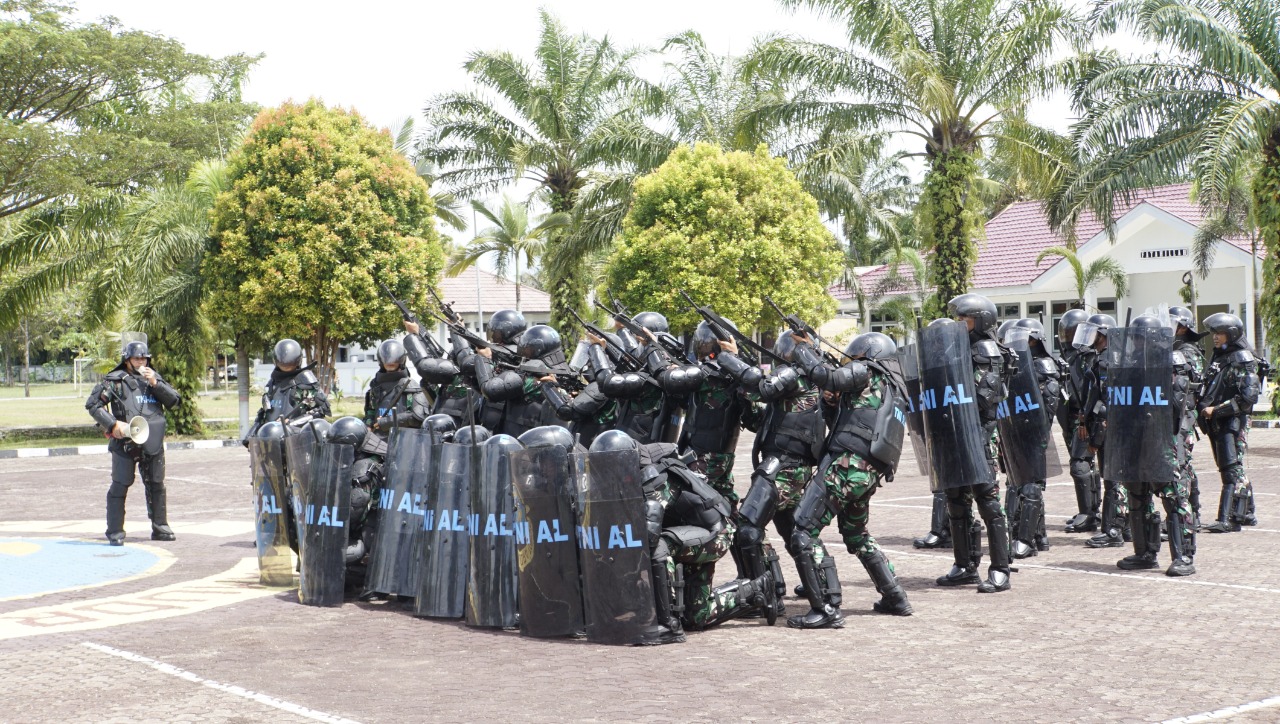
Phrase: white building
pixel 1152 241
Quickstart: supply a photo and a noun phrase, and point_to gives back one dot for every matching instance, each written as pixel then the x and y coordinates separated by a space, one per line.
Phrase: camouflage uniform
pixel 718 410
pixel 1194 358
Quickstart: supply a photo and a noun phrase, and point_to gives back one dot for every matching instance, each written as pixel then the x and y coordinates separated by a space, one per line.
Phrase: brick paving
pixel 1075 640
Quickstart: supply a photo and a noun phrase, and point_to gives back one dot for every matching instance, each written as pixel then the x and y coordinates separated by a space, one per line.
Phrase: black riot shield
pixel 953 429
pixel 445 540
pixel 1025 428
pixel 271 499
pixel 908 358
pixel 550 593
pixel 494 574
pixel 394 567
pixel 617 583
pixel 1140 415
pixel 322 473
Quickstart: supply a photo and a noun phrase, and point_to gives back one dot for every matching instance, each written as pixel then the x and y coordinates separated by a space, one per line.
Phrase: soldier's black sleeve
pixel 782 384
pixel 849 378
pixel 418 407
pixel 164 393
pixel 1244 383
pixel 497 388
pixel 614 384
pixel 747 375
pixel 320 407
pixel 97 405
pixel 583 406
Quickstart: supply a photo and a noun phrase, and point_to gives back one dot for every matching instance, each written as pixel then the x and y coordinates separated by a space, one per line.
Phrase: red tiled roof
pixel 495 293
pixel 1015 236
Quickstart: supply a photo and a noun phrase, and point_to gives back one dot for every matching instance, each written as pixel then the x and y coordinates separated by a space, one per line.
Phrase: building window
pixel 1035 310
pixel 1059 309
pixel 1107 306
pixel 1006 312
pixel 1163 253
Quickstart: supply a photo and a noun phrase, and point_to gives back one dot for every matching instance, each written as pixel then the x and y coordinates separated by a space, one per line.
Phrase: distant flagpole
pixel 479 303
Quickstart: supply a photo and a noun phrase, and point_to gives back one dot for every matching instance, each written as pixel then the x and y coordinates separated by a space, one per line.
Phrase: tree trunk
pixel 26 358
pixel 1266 203
pixel 518 283
pixel 566 277
pixel 242 383
pixel 948 225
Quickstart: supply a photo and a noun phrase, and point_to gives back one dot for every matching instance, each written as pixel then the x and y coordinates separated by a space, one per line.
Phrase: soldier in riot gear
pixel 990 366
pixel 292 394
pixel 649 401
pixel 1090 342
pixel 718 410
pixel 449 376
pixel 131 390
pixel 1026 517
pixel 1148 387
pixel 517 391
pixel 1186 343
pixel 365 477
pixel 786 449
pixel 861 450
pixel 1232 386
pixel 1084 472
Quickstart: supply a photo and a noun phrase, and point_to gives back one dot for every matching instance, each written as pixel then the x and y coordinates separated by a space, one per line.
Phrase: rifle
pixel 750 351
pixel 451 317
pixel 631 363
pixel 564 378
pixel 501 353
pixel 799 327
pixel 613 302
pixel 432 345
pixel 666 343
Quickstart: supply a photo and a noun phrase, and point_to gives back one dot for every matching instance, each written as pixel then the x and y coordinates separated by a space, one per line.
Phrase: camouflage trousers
pixel 1142 499
pixel 791 482
pixel 850 482
pixel 718 469
pixel 1187 473
pixel 701 602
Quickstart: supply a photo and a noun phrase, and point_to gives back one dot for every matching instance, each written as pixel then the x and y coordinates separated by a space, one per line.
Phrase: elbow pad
pixel 853 378
pixel 744 373
pixel 506 386
pixel 436 370
pixel 782 384
pixel 808 360
pixel 616 385
pixel 682 379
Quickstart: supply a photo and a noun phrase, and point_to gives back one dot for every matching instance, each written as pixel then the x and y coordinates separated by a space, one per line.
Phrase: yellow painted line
pixel 164 559
pixel 212 528
pixel 236 585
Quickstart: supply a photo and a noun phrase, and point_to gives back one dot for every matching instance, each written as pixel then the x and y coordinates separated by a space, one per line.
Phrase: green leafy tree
pixel 568 123
pixel 1104 268
pixel 1206 107
pixel 513 236
pixel 94 108
pixel 730 228
pixel 320 208
pixel 956 75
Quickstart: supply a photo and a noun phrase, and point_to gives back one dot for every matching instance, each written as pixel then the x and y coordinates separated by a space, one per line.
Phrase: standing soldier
pixel 1027 436
pixel 517 391
pixel 862 449
pixel 292 394
pixel 131 390
pixel 449 375
pixel 1091 342
pixel 1084 471
pixel 1232 387
pixel 1186 343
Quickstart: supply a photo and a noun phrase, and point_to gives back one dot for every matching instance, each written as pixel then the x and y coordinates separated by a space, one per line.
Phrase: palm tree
pixel 957 75
pixel 571 123
pixel 447 203
pixel 512 236
pixel 1088 277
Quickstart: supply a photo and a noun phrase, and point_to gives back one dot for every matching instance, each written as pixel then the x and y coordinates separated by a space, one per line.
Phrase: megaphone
pixel 139 430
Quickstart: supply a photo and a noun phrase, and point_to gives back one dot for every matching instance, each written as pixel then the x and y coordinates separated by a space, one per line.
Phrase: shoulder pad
pixel 412 388
pixel 787 373
pixel 986 348
pixel 1046 366
pixel 306 377
pixel 1242 357
pixel 115 375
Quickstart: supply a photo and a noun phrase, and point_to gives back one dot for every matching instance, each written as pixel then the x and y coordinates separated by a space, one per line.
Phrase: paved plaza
pixel 178 632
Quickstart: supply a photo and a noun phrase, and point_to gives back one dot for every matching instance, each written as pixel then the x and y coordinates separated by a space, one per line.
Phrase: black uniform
pixel 291 397
pixel 447 379
pixel 120 396
pixel 649 402
pixel 1232 386
pixel 718 410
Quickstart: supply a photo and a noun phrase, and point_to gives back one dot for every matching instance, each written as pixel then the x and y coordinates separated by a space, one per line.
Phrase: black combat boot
pixel 1181 550
pixel 893 600
pixel 1144 554
pixel 939 535
pixel 998 542
pixel 667 628
pixel 822 614
pixel 1225 523
pixel 751 599
pixel 965 570
pixel 158 512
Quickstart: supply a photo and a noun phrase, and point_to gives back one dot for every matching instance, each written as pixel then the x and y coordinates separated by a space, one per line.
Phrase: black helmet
pixel 348 431
pixel 1035 330
pixel 504 441
pixel 505 326
pixel 1145 321
pixel 1228 324
pixel 785 345
pixel 271 431
pixel 547 436
pixel 1182 317
pixel 652 321
pixel 1103 322
pixel 705 342
pixel 871 345
pixel 319 427
pixel 466 436
pixel 613 441
pixel 1005 326
pixel 976 307
pixel 1068 322
pixel 440 426
pixel 288 352
pixel 539 342
pixel 135 349
pixel 391 352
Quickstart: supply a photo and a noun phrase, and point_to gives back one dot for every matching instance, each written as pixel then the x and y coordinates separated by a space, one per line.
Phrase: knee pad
pixel 761 501
pixel 359 501
pixel 366 472
pixel 801 543
pixel 1081 469
pixel 118 490
pixel 813 505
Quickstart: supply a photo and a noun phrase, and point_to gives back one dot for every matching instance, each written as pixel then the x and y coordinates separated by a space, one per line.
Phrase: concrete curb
pixel 1265 424
pixel 48 452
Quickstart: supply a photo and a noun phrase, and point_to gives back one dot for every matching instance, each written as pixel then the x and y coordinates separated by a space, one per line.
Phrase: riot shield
pixel 1025 428
pixel 394 567
pixel 271 499
pixel 325 479
pixel 953 429
pixel 550 593
pixel 1141 419
pixel 617 583
pixel 445 540
pixel 910 363
pixel 494 573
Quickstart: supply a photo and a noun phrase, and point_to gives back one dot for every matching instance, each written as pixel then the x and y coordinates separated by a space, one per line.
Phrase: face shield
pixel 1086 334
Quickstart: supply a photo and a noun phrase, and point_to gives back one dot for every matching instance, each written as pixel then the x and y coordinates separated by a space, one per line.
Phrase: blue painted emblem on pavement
pixel 32 566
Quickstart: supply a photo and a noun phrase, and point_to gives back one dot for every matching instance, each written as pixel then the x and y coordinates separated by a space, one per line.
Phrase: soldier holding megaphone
pixel 129 405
